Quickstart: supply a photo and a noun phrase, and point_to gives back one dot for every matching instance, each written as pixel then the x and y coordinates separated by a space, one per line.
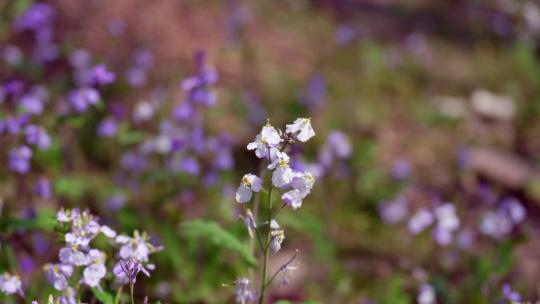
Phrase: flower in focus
pixel 277 237
pixel 265 143
pixel 282 174
pixel 301 129
pixel 250 183
pixel 302 183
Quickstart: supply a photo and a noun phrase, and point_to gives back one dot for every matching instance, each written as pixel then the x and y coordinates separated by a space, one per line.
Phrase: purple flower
pixel 32 104
pixel 133 162
pixel 102 76
pixel 12 55
pixel 509 294
pixel 515 210
pixel 79 58
pixel 243 292
pixel 36 135
pixel 394 211
pixel 19 159
pixel 36 17
pixel 401 169
pixel 143 58
pixel 183 111
pixel 190 165
pixel 107 128
pixel 198 87
pixel 314 94
pixel 57 275
pixel 43 188
pixel 420 220
pixel 340 144
pixel 136 77
pixel 82 98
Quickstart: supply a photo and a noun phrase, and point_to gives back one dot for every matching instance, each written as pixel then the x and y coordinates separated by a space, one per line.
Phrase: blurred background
pixel 427 151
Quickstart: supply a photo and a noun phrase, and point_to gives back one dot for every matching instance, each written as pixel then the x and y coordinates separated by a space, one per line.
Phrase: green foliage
pixel 219 237
pixel 103 296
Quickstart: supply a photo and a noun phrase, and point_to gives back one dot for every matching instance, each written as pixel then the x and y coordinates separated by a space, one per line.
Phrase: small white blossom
pixel 266 142
pixel 283 174
pixel 277 237
pixel 302 128
pixel 57 275
pixel 250 183
pixel 108 232
pixel 96 271
pixel 10 284
pixel 71 255
pixel 302 184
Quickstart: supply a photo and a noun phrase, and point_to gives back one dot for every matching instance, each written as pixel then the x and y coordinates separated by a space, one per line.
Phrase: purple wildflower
pixel 36 135
pixel 102 76
pixel 107 128
pixel 19 159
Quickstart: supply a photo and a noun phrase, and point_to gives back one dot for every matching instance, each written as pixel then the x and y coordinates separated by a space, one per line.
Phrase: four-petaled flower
pixel 250 183
pixel 301 128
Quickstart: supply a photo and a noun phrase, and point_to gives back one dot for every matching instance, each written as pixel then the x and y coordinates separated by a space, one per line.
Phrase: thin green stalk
pixel 118 294
pixel 267 248
pixel 131 291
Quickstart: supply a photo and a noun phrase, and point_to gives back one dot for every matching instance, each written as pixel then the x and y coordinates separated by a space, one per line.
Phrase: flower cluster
pixel 83 228
pixel 79 259
pixel 271 145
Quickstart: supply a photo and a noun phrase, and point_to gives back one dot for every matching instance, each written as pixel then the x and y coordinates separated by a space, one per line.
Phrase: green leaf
pixel 103 296
pixel 219 237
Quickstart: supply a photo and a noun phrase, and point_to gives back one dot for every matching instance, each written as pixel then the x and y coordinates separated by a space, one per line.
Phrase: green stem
pixel 118 294
pixel 266 248
pixel 131 291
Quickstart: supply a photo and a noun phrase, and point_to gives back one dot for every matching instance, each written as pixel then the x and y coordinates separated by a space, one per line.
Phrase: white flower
pixel 56 274
pixel 301 127
pixel 137 248
pixel 10 284
pixel 108 232
pixel 250 183
pixel 277 237
pixel 302 184
pixel 71 255
pixel 266 142
pixel 283 174
pixel 293 198
pixel 93 274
